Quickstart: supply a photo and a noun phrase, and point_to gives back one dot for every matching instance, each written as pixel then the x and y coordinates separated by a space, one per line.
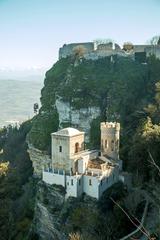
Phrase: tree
pixel 154 40
pixel 79 51
pixel 128 46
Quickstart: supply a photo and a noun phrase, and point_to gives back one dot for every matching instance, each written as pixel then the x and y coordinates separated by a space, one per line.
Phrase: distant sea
pixel 17 99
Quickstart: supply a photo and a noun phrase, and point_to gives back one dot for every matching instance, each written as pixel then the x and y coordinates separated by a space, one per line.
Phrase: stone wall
pixel 110 139
pixel 139 48
pixel 107 46
pixel 94 52
pixel 67 49
pixel 153 50
pixel 54 178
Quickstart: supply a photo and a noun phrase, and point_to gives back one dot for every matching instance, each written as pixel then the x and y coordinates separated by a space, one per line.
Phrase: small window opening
pixel 112 145
pixel 90 182
pixel 60 148
pixel 106 144
pixel 117 144
pixel 77 147
pixel 79 182
pixel 72 182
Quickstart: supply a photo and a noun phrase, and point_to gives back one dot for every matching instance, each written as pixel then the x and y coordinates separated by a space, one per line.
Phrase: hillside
pixel 82 93
pixel 117 90
pixel 17 99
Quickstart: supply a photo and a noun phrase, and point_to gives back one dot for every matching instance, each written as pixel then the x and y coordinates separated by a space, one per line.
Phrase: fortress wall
pixel 153 50
pixel 107 46
pixel 53 178
pixel 105 50
pixel 140 48
pixel 67 49
pixel 74 185
pixel 105 53
pixel 91 186
pixel 111 178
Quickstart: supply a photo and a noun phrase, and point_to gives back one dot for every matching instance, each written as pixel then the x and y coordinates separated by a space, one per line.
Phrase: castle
pixel 84 171
pixel 92 50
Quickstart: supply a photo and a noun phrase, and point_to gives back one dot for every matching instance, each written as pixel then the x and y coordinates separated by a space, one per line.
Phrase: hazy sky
pixel 31 31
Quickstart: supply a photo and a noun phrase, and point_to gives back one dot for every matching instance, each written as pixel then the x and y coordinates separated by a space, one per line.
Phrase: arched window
pixel 112 145
pixel 106 144
pixel 77 147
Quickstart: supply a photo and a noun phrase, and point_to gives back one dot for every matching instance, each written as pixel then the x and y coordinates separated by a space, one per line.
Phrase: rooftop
pixel 68 132
pixel 95 163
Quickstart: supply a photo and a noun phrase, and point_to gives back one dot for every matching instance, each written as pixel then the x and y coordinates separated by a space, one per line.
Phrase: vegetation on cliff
pixel 125 91
pixel 16 193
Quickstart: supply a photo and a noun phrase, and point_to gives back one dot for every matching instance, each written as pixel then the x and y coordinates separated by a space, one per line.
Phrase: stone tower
pixel 66 145
pixel 110 139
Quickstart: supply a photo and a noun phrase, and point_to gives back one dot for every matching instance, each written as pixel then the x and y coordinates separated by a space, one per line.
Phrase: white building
pixel 84 171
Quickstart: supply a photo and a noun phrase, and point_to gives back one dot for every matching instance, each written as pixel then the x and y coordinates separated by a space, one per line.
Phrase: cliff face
pixel 81 118
pixel 78 94
pixel 46 223
pixel 81 95
pixel 54 216
pixel 39 159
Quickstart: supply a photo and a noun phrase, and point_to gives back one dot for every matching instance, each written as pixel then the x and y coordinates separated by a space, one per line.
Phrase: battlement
pixel 110 125
pixel 93 50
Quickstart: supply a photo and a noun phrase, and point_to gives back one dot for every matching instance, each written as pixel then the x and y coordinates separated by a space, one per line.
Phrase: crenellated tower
pixel 110 132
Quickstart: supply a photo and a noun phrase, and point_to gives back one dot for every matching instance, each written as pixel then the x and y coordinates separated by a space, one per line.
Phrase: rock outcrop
pixel 55 217
pixel 39 160
pixel 79 118
pixel 46 223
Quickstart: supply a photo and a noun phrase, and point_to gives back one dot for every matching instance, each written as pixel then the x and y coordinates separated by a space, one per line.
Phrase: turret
pixel 110 139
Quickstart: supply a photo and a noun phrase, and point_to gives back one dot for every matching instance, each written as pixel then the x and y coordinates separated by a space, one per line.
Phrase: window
pixel 90 182
pixel 117 144
pixel 101 182
pixel 77 147
pixel 112 145
pixel 60 148
pixel 72 182
pixel 106 144
pixel 79 182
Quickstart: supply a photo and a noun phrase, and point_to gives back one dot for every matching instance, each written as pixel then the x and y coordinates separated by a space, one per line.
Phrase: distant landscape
pixel 17 98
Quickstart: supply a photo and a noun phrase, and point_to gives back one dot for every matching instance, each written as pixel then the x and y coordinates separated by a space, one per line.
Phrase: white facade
pixel 84 171
pixel 110 139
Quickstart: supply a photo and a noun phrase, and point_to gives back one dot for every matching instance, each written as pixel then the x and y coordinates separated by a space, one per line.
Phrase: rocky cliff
pixel 54 216
pixel 79 94
pixel 49 203
pixel 39 160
